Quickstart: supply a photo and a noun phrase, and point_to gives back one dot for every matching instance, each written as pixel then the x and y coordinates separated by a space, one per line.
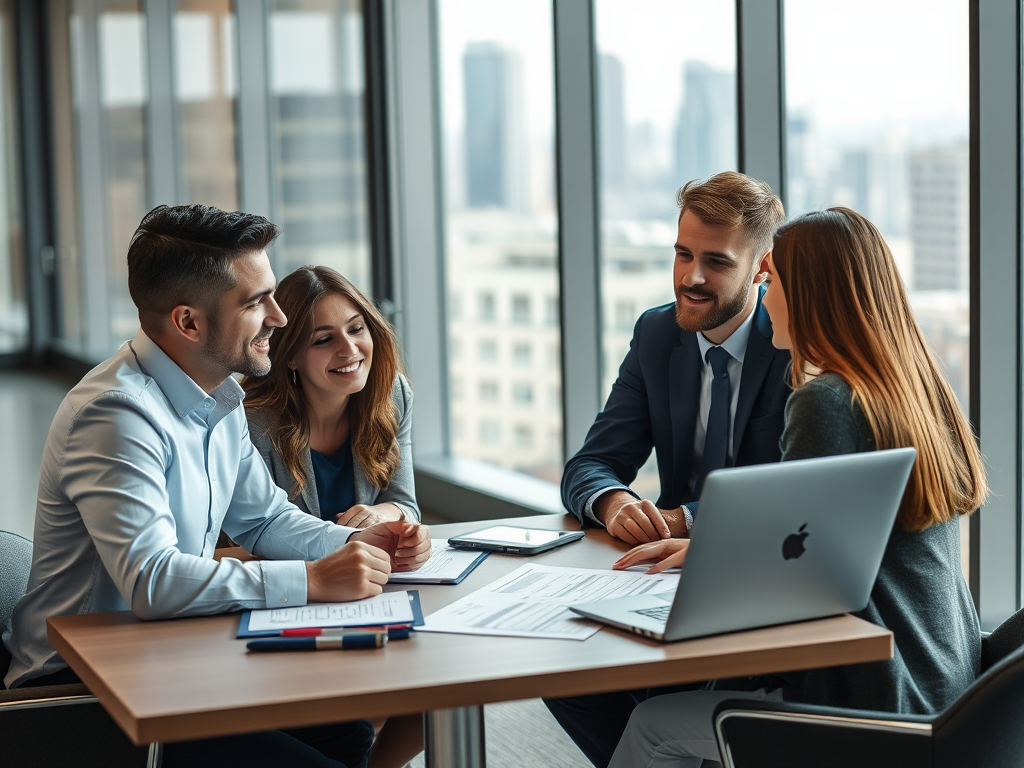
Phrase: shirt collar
pixel 179 388
pixel 735 345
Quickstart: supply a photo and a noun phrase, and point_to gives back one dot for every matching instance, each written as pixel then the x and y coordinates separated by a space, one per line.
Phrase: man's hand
pixel 354 571
pixel 633 521
pixel 363 515
pixel 408 544
pixel 669 553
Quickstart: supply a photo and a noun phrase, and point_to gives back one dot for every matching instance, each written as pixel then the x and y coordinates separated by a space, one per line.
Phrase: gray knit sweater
pixel 920 593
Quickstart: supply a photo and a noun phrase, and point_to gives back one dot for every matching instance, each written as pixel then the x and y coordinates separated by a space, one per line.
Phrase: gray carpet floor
pixel 523 733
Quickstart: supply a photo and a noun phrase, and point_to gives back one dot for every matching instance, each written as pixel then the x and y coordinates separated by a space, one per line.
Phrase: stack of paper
pixel 447 565
pixel 386 609
pixel 533 601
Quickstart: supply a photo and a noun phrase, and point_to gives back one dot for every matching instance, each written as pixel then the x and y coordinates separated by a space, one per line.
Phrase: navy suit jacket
pixel 654 402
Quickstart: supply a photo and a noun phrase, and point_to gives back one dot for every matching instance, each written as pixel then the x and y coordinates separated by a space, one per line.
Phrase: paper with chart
pixel 447 565
pixel 388 608
pixel 533 601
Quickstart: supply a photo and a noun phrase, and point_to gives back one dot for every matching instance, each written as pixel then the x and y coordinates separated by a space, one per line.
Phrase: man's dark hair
pixel 183 255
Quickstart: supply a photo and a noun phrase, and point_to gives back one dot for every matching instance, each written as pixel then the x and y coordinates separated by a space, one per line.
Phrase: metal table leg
pixel 454 738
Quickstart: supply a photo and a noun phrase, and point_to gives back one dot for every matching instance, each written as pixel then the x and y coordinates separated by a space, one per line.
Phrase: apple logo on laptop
pixel 793 546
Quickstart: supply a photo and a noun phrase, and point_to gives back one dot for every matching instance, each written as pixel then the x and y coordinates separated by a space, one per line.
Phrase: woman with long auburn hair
pixel 333 420
pixel 334 403
pixel 863 380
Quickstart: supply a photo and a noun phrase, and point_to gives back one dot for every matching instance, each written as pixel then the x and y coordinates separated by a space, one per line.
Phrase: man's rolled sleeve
pixel 284 582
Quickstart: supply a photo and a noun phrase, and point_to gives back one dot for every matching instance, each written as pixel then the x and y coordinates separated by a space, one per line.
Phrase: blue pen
pixel 337 642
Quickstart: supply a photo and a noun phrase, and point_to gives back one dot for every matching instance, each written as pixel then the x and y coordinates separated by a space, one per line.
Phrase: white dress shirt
pixel 736 346
pixel 140 471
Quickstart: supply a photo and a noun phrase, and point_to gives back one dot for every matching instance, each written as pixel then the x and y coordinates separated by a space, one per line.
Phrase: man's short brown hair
pixel 732 200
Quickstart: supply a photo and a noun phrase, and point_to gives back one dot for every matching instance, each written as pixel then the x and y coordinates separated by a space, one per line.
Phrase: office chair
pixel 55 724
pixel 981 728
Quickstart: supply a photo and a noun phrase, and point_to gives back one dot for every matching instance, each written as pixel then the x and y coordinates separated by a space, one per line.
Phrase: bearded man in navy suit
pixel 701 385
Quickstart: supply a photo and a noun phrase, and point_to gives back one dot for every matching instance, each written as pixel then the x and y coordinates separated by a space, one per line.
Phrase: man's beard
pixel 715 314
pixel 247 363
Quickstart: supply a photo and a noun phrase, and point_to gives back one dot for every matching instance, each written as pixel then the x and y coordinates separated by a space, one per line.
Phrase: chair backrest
pixel 15 563
pixel 1007 638
pixel 983 726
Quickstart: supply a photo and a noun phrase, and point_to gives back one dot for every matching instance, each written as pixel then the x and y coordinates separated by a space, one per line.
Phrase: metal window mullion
pixel 996 331
pixel 760 91
pixel 95 219
pixel 162 152
pixel 579 217
pixel 253 108
pixel 31 134
pixel 417 206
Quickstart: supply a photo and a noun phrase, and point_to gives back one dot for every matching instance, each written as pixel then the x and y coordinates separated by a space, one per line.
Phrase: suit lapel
pixel 684 402
pixel 756 363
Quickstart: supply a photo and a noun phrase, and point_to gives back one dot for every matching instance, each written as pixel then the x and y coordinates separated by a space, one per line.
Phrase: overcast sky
pixel 853 63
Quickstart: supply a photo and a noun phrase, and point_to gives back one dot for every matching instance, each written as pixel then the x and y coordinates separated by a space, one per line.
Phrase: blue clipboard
pixel 244 631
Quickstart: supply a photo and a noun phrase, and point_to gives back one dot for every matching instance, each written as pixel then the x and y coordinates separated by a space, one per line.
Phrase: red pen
pixel 317 631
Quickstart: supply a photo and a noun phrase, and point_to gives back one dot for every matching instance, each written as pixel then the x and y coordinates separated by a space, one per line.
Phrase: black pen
pixel 322 643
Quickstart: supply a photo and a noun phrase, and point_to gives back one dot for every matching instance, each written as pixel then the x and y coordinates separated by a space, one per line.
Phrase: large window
pixel 500 230
pixel 205 85
pixel 13 308
pixel 118 70
pixel 667 114
pixel 886 134
pixel 124 94
pixel 318 135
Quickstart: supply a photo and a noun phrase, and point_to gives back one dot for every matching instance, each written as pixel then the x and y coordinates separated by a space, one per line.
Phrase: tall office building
pixel 495 131
pixel 612 124
pixel 940 217
pixel 706 132
pixel 873 181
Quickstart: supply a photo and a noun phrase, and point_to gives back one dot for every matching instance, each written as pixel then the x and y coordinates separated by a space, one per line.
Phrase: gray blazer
pixel 401 491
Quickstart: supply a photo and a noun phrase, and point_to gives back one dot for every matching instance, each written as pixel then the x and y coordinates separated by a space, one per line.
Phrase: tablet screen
pixel 507 534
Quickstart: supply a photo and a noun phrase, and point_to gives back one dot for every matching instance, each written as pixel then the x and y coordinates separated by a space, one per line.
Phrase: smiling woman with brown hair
pixel 335 405
pixel 863 380
pixel 333 421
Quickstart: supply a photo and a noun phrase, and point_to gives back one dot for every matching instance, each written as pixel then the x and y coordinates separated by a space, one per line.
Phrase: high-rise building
pixel 495 130
pixel 940 217
pixel 612 123
pixel 706 132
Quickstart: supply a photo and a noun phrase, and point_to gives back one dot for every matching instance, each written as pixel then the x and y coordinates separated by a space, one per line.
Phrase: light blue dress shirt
pixel 140 472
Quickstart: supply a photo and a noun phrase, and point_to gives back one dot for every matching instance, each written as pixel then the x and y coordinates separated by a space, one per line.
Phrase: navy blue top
pixel 335 481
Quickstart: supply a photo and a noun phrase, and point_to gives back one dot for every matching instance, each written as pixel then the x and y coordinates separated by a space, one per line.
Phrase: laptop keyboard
pixel 659 612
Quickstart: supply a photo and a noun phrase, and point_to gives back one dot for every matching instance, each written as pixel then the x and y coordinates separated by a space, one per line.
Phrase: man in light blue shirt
pixel 149 457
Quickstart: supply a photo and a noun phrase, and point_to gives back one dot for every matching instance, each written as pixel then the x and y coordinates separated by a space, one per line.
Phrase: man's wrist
pixel 678 525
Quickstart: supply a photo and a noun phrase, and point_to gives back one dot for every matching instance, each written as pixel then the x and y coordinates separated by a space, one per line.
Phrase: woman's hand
pixel 667 553
pixel 363 515
pixel 408 544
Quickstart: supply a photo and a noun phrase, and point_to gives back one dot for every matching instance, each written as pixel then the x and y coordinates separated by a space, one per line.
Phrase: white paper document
pixel 533 601
pixel 388 608
pixel 446 565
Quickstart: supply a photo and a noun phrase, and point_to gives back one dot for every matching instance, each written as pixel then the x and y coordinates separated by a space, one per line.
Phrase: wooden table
pixel 182 679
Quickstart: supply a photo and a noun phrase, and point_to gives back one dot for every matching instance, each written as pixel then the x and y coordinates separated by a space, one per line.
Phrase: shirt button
pixel 284 599
pixel 208 404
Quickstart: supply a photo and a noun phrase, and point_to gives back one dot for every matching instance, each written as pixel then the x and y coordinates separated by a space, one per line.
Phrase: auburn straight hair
pixel 849 314
pixel 372 413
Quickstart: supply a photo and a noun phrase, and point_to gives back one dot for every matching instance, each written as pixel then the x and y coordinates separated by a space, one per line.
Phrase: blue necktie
pixel 716 439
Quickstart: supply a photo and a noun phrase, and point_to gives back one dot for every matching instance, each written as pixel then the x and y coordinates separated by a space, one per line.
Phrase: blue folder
pixel 244 631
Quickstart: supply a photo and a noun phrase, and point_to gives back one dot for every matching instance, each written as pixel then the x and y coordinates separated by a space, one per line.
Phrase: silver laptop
pixel 775 543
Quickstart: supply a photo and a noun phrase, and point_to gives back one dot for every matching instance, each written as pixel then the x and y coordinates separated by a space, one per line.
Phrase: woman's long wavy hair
pixel 372 413
pixel 849 314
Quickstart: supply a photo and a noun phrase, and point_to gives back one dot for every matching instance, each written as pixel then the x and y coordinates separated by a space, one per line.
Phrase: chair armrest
pixel 769 734
pixel 42 693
